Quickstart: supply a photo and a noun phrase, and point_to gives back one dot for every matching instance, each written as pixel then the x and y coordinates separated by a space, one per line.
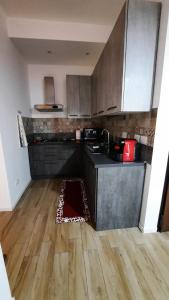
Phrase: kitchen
pixel 69 95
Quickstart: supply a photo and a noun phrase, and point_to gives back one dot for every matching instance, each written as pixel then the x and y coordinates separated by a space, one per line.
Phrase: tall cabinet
pixel 123 79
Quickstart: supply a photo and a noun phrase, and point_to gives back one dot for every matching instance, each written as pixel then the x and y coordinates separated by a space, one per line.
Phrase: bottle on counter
pixel 78 134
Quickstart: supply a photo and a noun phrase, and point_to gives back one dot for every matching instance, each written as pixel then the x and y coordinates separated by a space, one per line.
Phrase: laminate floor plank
pixel 95 280
pixel 58 287
pixel 14 262
pixel 43 273
pixel 88 236
pixel 77 275
pixel 24 284
pixel 72 261
pixel 115 285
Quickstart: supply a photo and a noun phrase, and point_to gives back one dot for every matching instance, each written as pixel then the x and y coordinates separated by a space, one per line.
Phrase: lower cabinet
pixel 90 179
pixel 47 161
pixel 114 195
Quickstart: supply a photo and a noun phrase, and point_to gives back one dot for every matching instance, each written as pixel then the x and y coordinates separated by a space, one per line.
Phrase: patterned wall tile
pixel 142 124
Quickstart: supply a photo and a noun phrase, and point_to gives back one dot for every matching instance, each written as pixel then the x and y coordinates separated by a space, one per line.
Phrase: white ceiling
pixel 63 52
pixel 102 12
pixel 84 11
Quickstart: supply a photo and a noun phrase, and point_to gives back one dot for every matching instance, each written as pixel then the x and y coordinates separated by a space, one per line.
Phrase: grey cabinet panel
pixel 85 96
pixel 107 79
pixel 79 96
pixel 114 194
pixel 119 197
pixel 114 64
pixel 94 95
pixel 90 179
pixel 141 47
pixel 55 160
pixel 123 78
pixel 100 86
pixel 73 103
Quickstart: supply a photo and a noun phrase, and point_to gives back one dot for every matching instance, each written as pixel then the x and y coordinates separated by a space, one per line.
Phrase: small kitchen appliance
pixel 129 151
pixel 91 134
pixel 125 150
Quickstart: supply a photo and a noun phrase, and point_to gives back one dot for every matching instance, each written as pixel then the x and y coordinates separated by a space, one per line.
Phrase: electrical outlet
pixel 143 139
pixel 124 135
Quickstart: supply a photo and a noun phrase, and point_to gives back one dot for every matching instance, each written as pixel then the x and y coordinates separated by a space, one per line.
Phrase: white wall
pixel 36 75
pixel 14 96
pixel 5 203
pixel 161 142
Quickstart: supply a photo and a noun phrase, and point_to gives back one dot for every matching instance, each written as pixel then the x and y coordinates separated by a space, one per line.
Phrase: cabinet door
pixel 101 85
pixel 141 48
pixel 85 96
pixel 94 96
pixel 73 100
pixel 90 179
pixel 119 197
pixel 114 58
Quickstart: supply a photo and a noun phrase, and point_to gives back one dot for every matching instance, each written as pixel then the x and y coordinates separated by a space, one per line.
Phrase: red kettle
pixel 129 150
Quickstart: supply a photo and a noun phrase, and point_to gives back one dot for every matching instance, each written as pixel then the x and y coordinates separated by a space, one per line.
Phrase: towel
pixel 22 134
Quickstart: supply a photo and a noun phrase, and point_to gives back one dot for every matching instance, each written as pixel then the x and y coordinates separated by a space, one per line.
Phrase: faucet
pixel 108 137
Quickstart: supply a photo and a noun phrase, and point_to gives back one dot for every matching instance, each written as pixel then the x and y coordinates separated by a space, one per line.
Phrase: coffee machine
pixel 125 150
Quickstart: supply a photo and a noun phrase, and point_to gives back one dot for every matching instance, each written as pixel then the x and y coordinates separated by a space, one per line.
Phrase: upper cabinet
pixel 123 79
pixel 78 96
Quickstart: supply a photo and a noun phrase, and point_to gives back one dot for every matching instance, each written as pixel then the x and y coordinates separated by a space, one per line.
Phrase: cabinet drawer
pixel 58 154
pixel 54 169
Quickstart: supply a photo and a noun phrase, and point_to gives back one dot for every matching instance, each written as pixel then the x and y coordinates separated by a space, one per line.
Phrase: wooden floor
pixel 72 261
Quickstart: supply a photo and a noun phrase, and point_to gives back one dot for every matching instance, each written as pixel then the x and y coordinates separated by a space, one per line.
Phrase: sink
pixel 96 148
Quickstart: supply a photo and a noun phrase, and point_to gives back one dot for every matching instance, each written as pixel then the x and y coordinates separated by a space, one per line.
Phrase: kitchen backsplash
pixel 55 125
pixel 28 125
pixel 142 124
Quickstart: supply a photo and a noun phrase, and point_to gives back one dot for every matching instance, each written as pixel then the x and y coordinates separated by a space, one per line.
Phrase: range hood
pixel 49 107
pixel 49 98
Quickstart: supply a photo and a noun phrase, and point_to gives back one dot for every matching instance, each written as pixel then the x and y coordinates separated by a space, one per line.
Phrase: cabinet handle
pixel 101 111
pixel 73 115
pixel 85 115
pixel 111 107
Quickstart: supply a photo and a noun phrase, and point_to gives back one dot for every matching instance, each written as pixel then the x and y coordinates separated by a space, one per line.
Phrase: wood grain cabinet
pixel 123 78
pixel 78 96
pixel 114 194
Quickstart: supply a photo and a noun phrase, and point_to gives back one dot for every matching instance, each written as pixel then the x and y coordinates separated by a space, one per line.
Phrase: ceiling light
pixel 87 53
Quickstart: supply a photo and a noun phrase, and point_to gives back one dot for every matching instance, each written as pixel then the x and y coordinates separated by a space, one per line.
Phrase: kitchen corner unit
pixel 114 191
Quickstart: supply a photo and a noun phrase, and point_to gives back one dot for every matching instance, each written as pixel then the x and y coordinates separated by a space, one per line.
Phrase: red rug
pixel 72 206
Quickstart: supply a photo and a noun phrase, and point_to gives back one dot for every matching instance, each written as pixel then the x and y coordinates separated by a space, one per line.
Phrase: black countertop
pixel 103 161
pixel 98 160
